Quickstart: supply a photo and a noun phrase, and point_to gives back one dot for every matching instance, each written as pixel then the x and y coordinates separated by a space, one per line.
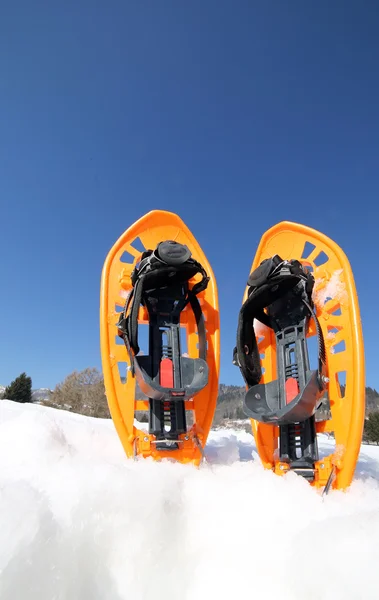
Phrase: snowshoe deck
pixel 156 278
pixel 301 285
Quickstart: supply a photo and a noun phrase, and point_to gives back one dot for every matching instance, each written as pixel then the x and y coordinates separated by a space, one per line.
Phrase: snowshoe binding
pixel 301 285
pixel 169 287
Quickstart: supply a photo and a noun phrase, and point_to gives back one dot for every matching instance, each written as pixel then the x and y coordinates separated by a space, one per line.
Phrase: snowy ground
pixel 79 521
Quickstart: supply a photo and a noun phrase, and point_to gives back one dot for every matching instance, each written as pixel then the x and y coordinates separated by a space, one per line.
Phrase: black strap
pixel 271 281
pixel 122 326
pixel 200 323
pixel 132 319
pixel 320 340
pixel 153 272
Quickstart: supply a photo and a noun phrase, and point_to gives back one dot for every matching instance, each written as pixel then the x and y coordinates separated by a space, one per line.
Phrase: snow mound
pixel 80 521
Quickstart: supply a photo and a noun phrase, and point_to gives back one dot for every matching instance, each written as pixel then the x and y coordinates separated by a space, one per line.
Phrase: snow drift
pixel 80 521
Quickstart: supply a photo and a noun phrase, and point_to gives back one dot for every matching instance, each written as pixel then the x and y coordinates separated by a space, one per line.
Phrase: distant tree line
pixel 371 430
pixel 84 392
pixel 81 392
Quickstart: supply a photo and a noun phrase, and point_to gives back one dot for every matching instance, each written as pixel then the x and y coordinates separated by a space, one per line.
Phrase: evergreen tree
pixel 20 390
pixel 371 432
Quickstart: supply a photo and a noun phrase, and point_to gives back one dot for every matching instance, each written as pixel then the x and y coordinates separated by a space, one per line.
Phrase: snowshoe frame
pixel 337 311
pixel 174 385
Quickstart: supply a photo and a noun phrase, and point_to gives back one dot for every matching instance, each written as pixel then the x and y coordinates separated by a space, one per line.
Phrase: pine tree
pixel 20 390
pixel 371 432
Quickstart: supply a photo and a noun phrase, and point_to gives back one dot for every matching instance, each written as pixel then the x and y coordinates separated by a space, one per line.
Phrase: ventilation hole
pixel 143 339
pixel 122 371
pixel 261 338
pixel 119 341
pixel 321 259
pixel 262 356
pixel 340 347
pixel 308 268
pixel 142 416
pixel 312 345
pixel 138 245
pixel 190 418
pixel 326 444
pixel 341 377
pixel 183 341
pixel 263 370
pixel 334 308
pixel 333 330
pixel 308 249
pixel 126 257
pixel 327 299
pixel 292 355
pixel 118 308
pixel 341 383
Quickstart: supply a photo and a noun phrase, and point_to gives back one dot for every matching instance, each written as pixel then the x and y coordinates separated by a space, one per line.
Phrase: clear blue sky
pixel 235 115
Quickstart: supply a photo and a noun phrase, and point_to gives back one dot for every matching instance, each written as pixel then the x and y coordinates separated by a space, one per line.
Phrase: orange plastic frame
pixel 148 231
pixel 337 308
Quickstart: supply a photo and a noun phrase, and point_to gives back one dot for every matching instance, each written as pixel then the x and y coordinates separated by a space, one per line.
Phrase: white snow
pixel 80 521
pixel 333 288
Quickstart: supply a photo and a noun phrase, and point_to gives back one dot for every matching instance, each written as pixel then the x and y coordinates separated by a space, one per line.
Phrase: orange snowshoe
pixel 301 285
pixel 169 287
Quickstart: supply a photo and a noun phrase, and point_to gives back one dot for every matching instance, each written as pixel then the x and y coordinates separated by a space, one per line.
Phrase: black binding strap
pixel 168 265
pixel 269 284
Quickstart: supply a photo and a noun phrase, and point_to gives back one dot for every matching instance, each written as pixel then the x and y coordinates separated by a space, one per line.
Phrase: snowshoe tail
pixel 301 285
pixel 156 278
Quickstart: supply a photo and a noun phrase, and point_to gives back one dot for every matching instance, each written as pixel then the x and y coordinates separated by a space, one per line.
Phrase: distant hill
pixel 230 401
pixel 38 395
pixel 372 400
pixel 41 394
